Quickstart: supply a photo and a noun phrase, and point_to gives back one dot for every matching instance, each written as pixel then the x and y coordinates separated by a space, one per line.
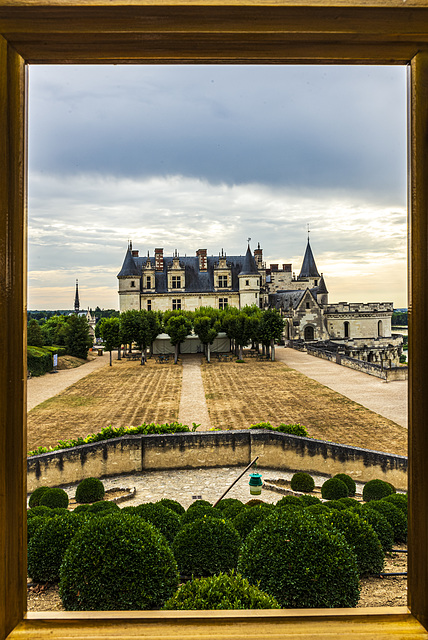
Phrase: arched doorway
pixel 309 332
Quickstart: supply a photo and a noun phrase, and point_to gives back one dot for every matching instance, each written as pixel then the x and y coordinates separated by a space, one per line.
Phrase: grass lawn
pixel 125 394
pixel 238 395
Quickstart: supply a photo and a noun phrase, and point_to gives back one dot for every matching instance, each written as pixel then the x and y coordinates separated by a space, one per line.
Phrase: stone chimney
pixel 159 259
pixel 135 253
pixel 202 255
pixel 258 255
pixel 274 267
pixel 286 267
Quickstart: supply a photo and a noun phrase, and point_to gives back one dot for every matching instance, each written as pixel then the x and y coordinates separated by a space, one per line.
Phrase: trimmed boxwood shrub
pixel 39 511
pixel 254 501
pixel 53 498
pixel 381 527
pixel 361 538
pixel 317 508
pixel 395 517
pixel 89 490
pixel 232 510
pixel 227 502
pixel 206 547
pixel 164 519
pixel 350 503
pixel 306 501
pixel 198 512
pixel 199 503
pixel 48 545
pixel 350 482
pixel 302 482
pixel 220 592
pixel 376 489
pixel 286 501
pixel 33 524
pixel 336 504
pixel 118 562
pixel 300 561
pixel 173 505
pixel 81 508
pixel 398 500
pixel 34 500
pixel 334 489
pixel 245 521
pixel 101 507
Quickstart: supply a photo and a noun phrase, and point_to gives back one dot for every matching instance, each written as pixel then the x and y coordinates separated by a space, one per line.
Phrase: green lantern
pixel 255 484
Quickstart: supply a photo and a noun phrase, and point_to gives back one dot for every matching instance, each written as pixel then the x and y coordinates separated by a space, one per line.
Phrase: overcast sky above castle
pixel 205 157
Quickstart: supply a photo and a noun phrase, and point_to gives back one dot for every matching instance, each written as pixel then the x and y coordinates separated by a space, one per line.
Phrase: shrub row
pixel 39 360
pixel 293 429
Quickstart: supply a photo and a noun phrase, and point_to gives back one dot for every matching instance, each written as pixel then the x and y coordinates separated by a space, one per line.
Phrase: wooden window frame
pixel 201 32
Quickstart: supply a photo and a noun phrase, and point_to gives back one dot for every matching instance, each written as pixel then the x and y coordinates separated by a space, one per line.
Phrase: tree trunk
pixel 176 354
pixel 119 355
pixel 143 357
pixel 110 359
pixel 272 350
pixel 208 353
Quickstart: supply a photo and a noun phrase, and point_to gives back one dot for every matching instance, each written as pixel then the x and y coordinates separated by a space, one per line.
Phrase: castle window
pixel 222 282
pixel 176 282
pixel 132 283
pixel 247 283
pixel 380 329
pixel 316 283
pixel 176 304
pixel 222 303
pixel 149 305
pixel 149 282
pixel 308 305
pixel 346 331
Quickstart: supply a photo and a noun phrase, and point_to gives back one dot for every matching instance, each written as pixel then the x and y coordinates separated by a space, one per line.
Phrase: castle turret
pixel 129 282
pixel 322 293
pixel 249 282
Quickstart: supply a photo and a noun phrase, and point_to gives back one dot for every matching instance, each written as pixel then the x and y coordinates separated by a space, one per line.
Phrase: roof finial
pixel 130 245
pixel 309 230
pixel 76 298
pixel 248 240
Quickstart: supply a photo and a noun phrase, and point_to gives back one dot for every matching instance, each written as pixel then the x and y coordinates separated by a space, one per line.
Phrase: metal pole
pixel 235 481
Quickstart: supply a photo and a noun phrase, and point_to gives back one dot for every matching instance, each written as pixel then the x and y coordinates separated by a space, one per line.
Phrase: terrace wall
pixel 141 453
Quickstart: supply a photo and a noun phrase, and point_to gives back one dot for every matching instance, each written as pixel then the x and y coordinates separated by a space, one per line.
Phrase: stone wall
pixel 389 374
pixel 139 453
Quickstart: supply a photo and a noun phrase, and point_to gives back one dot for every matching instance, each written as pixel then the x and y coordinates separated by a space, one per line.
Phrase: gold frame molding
pixel 202 32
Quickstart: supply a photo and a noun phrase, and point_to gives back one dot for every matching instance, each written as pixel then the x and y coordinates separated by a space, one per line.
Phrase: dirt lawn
pixel 121 395
pixel 239 395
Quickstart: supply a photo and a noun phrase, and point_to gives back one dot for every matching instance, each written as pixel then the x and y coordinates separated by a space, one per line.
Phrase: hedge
pixel 39 360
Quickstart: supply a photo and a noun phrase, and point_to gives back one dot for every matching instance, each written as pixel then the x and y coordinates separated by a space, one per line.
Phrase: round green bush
pixel 317 508
pixel 206 547
pixel 198 512
pixel 336 504
pixel 199 503
pixel 381 527
pixel 102 506
pixel 306 500
pixel 350 503
pixel 220 592
pixel 39 511
pixel 89 490
pixel 232 510
pixel 173 505
pixel 254 501
pixel 334 489
pixel 300 561
pixel 48 545
pixel 227 502
pixel 361 538
pixel 286 501
pixel 302 482
pixel 293 429
pixel 118 562
pixel 398 500
pixel 81 508
pixel 164 519
pixel 395 517
pixel 350 482
pixel 33 524
pixel 375 490
pixel 245 521
pixel 54 498
pixel 34 500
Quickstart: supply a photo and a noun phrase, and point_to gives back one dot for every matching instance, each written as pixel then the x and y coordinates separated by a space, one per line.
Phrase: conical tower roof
pixel 309 268
pixel 249 267
pixel 129 268
pixel 321 286
pixel 76 298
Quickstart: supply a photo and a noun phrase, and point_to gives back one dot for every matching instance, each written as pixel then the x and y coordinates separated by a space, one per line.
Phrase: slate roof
pixel 321 286
pixel 309 268
pixel 196 281
pixel 249 267
pixel 289 299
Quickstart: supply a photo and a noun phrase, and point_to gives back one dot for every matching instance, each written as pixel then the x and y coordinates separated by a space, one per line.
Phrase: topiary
pixel 381 527
pixel 164 519
pixel 306 500
pixel 39 511
pixel 101 507
pixel 350 503
pixel 398 500
pixel 227 502
pixel 89 490
pixel 53 498
pixel 81 508
pixel 317 508
pixel 361 538
pixel 199 503
pixel 117 562
pixel 173 505
pixel 48 545
pixel 350 482
pixel 375 490
pixel 33 524
pixel 395 517
pixel 254 502
pixel 201 511
pixel 245 521
pixel 232 510
pixel 300 561
pixel 302 482
pixel 220 592
pixel 206 547
pixel 286 501
pixel 34 500
pixel 335 504
pixel 334 489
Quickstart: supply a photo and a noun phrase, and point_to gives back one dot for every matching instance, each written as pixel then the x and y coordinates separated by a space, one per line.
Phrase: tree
pixel 77 340
pixel 109 329
pixel 206 326
pixel 271 328
pixel 34 334
pixel 178 328
pixel 129 327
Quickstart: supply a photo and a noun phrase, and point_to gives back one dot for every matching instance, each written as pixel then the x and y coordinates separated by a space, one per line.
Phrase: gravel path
pixel 193 406
pixel 43 387
pixel 388 399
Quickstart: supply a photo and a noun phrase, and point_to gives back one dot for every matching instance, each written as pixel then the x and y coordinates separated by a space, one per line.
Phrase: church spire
pixel 76 298
pixel 309 268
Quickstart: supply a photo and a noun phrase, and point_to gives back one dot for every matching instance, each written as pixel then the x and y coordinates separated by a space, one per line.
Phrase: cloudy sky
pixel 207 156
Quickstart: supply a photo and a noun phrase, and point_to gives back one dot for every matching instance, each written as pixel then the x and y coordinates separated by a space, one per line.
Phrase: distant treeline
pixel 45 315
pixel 399 318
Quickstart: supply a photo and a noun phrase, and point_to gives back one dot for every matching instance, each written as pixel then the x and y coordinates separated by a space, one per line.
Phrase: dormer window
pixel 149 282
pixel 176 282
pixel 222 282
pixel 308 305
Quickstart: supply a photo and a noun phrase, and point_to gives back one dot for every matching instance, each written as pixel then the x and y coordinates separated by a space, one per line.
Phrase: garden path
pixel 193 406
